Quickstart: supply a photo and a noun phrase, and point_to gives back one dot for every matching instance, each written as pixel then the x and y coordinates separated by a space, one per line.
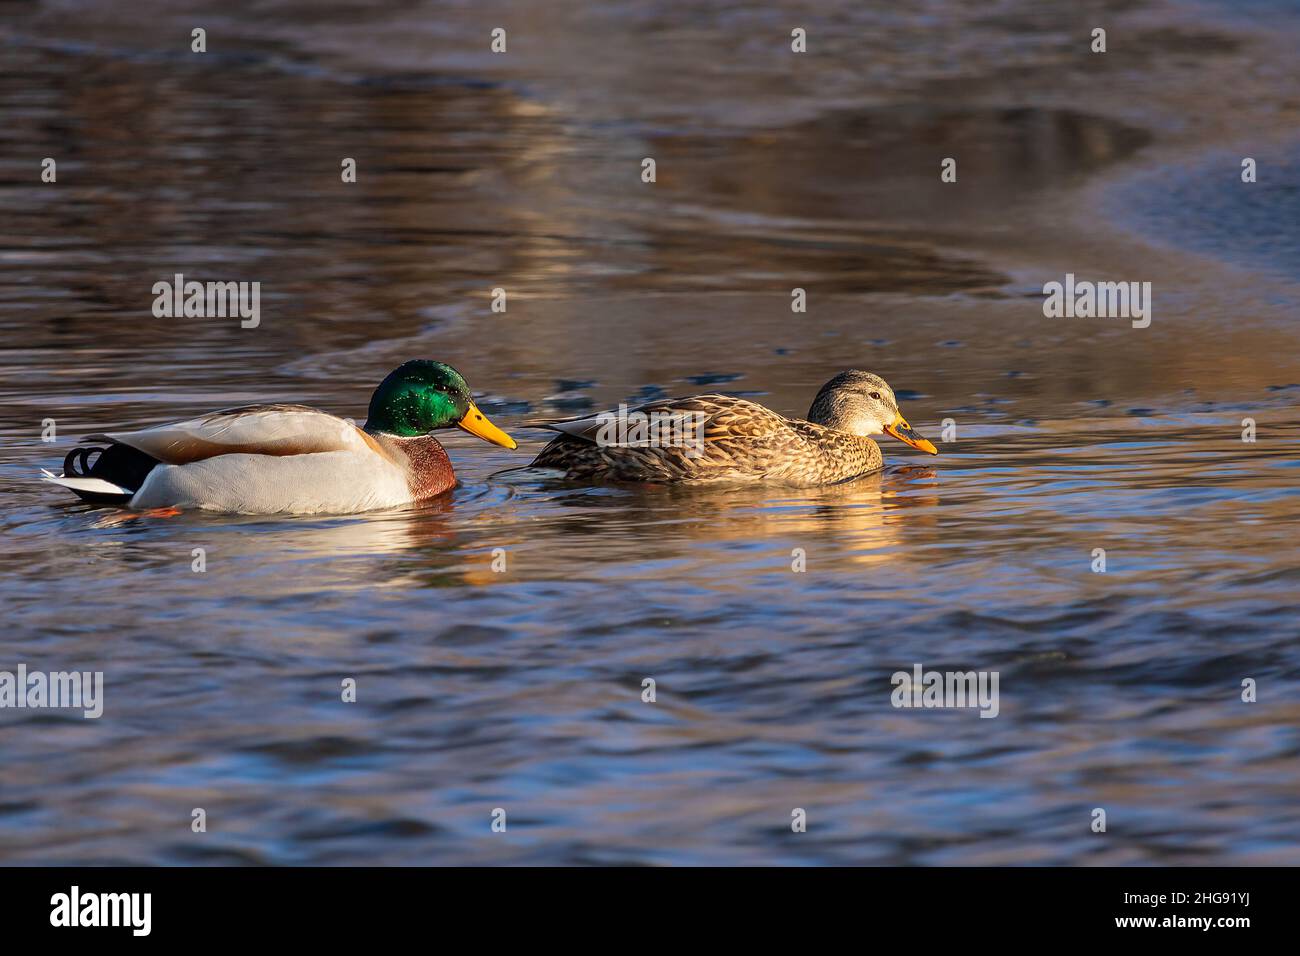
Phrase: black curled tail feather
pixel 122 465
pixel 76 465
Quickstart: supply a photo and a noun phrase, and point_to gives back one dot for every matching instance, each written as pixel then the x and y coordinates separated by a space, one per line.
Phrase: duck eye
pixel 876 396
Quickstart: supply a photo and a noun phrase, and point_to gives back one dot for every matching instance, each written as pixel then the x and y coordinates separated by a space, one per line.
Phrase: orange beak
pixel 477 424
pixel 904 433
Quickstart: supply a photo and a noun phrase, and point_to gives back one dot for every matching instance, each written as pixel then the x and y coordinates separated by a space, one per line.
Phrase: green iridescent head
pixel 422 396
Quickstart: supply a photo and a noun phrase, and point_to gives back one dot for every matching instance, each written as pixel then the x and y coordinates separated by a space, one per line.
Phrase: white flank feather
pixel 337 482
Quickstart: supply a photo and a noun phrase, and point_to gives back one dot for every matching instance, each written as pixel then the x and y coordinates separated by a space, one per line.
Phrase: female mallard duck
pixel 268 459
pixel 720 438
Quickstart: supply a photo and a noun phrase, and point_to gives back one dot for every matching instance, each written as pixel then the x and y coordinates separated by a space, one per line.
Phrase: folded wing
pixel 277 430
pixel 717 417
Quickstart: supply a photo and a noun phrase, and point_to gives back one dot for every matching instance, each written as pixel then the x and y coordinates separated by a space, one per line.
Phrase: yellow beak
pixel 904 433
pixel 476 423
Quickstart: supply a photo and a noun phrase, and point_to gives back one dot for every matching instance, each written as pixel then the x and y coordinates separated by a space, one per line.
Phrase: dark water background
pixel 521 690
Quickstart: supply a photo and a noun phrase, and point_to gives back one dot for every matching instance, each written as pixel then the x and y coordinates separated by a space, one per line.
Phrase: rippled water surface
pixel 521 689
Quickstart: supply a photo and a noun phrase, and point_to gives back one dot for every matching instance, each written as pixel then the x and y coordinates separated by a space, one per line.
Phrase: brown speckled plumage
pixel 742 441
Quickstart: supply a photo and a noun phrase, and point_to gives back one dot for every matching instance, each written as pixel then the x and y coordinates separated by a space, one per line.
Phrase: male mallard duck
pixel 267 459
pixel 720 438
